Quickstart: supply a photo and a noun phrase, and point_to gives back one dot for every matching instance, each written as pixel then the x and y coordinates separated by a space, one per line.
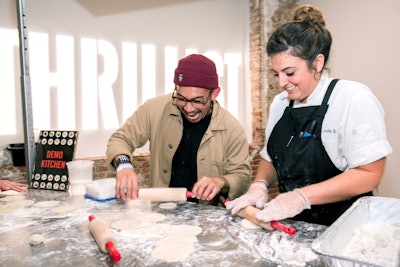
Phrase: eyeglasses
pixel 196 102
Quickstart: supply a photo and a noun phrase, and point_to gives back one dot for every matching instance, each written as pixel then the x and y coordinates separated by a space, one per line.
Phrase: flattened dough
pixel 12 198
pixel 63 209
pixel 151 217
pixel 21 203
pixel 7 209
pixel 173 249
pixel 182 230
pixel 46 204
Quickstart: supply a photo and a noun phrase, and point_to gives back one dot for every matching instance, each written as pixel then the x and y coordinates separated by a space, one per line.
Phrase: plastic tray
pixel 380 212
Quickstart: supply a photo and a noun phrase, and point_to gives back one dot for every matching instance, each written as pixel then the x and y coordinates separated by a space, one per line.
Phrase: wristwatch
pixel 122 159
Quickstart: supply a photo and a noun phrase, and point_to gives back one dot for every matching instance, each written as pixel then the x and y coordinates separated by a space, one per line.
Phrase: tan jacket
pixel 223 151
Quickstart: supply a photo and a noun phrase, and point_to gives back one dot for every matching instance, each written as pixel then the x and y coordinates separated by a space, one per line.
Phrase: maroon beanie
pixel 196 71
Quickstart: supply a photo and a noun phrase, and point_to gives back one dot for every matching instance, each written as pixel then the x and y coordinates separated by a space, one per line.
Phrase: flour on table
pixel 63 209
pixel 129 225
pixel 12 198
pixel 46 204
pixel 36 239
pixel 168 206
pixel 288 252
pixel 249 225
pixel 178 240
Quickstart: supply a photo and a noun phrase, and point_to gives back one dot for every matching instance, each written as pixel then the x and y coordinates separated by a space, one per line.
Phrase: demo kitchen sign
pixel 54 150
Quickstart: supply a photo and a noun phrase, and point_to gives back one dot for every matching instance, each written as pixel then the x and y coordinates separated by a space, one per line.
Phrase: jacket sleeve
pixel 132 134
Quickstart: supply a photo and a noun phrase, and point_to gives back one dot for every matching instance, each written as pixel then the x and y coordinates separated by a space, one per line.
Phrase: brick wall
pixel 265 16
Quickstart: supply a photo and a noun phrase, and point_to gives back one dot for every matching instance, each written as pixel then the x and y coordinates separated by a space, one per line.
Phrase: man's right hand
pixel 256 195
pixel 126 186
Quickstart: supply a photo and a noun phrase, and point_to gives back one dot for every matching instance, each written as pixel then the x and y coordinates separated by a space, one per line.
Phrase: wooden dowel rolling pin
pixel 164 194
pixel 250 213
pixel 104 238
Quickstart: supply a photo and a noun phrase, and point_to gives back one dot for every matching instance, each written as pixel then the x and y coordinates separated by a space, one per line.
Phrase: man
pixel 194 142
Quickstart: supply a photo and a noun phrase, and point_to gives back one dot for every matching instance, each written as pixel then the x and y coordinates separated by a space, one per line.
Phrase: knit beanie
pixel 197 71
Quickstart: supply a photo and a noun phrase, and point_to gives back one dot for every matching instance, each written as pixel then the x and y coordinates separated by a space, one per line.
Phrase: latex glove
pixel 285 205
pixel 256 195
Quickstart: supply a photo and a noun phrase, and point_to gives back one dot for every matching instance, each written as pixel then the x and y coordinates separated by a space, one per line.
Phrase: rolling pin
pixel 104 238
pixel 164 194
pixel 250 213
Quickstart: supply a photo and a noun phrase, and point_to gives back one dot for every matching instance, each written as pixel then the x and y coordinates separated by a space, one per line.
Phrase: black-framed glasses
pixel 196 102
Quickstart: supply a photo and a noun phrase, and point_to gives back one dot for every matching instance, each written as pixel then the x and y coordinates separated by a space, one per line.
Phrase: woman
pixel 326 143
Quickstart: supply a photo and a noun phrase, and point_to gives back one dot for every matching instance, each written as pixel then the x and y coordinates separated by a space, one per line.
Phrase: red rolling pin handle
pixel 189 194
pixel 103 238
pixel 114 253
pixel 283 227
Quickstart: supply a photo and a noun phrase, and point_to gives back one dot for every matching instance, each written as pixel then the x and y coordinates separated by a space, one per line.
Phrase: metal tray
pixel 381 212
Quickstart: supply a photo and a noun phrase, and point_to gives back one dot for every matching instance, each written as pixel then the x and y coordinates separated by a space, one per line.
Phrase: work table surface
pixel 68 242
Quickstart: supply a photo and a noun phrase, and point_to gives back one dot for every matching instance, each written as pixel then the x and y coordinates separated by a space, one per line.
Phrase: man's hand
pixel 256 195
pixel 126 184
pixel 285 205
pixel 207 187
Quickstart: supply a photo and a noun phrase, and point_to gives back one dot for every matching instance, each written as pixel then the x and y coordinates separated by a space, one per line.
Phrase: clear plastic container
pixel 80 172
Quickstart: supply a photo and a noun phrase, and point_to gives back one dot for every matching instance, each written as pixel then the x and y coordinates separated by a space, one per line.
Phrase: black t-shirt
pixel 184 163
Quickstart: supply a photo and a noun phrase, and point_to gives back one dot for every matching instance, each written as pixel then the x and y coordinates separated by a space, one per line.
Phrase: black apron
pixel 300 159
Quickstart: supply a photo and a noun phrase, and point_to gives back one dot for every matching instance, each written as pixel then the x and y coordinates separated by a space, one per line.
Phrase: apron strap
pixel 329 91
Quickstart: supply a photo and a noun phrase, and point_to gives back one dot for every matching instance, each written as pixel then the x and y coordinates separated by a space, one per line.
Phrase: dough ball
pixel 36 239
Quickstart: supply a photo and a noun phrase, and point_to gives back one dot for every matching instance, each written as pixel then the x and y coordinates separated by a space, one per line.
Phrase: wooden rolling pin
pixel 250 213
pixel 104 238
pixel 164 194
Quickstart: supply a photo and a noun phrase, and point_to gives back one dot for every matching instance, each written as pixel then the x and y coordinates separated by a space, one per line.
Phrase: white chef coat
pixel 353 130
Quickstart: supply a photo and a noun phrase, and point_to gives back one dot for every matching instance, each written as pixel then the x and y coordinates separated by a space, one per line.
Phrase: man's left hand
pixel 207 187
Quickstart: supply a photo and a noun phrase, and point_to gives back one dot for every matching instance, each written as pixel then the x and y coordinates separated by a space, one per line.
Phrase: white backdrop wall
pixel 366 49
pixel 93 62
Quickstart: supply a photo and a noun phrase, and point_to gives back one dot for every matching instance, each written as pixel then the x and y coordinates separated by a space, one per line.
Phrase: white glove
pixel 285 205
pixel 256 195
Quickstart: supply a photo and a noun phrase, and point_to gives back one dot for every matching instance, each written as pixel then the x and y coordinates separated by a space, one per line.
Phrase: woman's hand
pixel 285 205
pixel 256 195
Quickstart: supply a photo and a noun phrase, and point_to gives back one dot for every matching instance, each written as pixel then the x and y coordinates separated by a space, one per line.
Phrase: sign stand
pixel 29 136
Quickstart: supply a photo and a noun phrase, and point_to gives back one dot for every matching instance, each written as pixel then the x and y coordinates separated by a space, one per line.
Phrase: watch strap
pixel 122 159
pixel 123 166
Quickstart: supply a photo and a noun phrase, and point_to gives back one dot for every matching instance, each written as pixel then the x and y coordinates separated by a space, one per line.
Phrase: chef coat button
pixel 170 146
pixel 165 170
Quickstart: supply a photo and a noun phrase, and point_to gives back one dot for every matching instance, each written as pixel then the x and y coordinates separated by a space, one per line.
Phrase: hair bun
pixel 308 13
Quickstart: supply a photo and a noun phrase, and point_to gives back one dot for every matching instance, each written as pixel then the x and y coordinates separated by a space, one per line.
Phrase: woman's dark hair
pixel 304 37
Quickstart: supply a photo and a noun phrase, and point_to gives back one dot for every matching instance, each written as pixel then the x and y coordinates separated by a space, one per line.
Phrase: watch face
pixel 123 159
